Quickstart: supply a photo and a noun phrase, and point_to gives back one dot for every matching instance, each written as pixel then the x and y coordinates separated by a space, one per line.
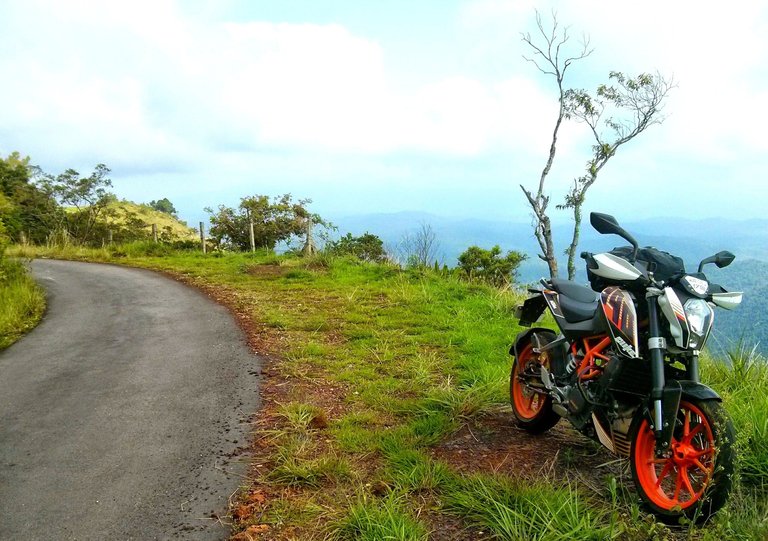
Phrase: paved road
pixel 118 412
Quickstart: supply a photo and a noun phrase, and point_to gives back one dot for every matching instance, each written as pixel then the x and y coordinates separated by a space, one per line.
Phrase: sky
pixel 373 106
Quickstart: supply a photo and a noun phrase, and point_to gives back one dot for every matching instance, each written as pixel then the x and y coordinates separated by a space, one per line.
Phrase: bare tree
pixel 627 109
pixel 627 106
pixel 419 248
pixel 550 58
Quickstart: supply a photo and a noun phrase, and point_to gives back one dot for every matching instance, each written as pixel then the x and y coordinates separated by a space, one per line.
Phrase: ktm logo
pixel 625 347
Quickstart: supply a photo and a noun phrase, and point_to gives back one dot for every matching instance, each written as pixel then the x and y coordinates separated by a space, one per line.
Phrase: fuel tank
pixel 621 315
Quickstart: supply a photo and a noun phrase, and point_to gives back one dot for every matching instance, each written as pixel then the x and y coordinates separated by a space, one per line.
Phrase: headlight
pixel 699 316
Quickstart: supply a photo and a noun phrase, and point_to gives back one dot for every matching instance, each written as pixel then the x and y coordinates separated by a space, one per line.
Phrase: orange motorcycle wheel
pixel 532 406
pixel 692 480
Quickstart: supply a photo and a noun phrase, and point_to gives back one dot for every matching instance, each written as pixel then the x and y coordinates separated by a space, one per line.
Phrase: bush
pixel 367 247
pixel 489 266
pixel 141 248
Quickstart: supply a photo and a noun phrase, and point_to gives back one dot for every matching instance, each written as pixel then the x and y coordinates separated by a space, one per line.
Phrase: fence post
pixel 154 232
pixel 202 236
pixel 253 237
pixel 309 245
pixel 109 236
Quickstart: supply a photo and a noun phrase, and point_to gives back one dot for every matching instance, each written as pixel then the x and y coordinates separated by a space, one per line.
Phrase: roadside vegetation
pixel 21 300
pixel 386 413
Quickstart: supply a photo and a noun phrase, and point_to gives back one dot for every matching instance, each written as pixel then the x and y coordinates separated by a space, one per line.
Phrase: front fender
pixel 674 391
pixel 693 389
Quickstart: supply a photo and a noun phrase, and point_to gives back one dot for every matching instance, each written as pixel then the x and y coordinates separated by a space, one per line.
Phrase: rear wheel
pixel 530 402
pixel 693 479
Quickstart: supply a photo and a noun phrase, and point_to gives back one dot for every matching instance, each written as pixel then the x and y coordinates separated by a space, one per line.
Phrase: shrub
pixel 367 247
pixel 489 265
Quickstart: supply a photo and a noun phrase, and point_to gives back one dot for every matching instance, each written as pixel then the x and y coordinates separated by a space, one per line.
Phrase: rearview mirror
pixel 721 259
pixel 607 225
pixel 603 223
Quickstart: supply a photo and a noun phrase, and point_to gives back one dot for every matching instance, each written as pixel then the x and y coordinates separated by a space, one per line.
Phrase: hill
pixel 124 214
pixel 749 322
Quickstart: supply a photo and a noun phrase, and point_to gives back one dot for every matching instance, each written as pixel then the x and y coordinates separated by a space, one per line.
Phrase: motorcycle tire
pixel 694 480
pixel 533 410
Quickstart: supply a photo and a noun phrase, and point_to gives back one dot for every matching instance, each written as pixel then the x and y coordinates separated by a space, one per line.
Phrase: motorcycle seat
pixel 578 302
pixel 575 291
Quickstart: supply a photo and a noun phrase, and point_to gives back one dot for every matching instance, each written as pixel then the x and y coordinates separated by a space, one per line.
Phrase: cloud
pixel 178 87
pixel 148 79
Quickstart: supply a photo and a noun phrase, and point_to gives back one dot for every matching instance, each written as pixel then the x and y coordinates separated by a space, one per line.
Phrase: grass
pixel 379 520
pixel 378 373
pixel 742 379
pixel 22 302
pixel 539 511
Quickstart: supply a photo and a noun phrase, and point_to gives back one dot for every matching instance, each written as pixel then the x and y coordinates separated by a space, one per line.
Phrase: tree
pixel 87 198
pixel 634 104
pixel 627 108
pixel 489 265
pixel 273 221
pixel 163 205
pixel 419 248
pixel 5 208
pixel 367 247
pixel 31 212
pixel 551 59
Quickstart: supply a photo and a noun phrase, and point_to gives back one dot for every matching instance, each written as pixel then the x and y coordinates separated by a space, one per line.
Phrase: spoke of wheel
pixel 687 482
pixel 664 472
pixel 701 467
pixel 658 461
pixel 692 433
pixel 678 485
pixel 687 423
pixel 699 454
pixel 530 401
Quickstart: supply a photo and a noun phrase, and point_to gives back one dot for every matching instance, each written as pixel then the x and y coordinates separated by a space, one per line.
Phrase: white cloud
pixel 156 86
pixel 149 78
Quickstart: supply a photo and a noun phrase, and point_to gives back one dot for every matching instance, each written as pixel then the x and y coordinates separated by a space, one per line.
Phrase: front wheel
pixel 531 404
pixel 694 478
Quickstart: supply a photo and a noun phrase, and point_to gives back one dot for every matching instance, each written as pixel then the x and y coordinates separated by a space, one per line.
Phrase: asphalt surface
pixel 120 413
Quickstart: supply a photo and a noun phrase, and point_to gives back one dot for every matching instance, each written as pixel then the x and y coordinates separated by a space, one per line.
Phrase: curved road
pixel 119 413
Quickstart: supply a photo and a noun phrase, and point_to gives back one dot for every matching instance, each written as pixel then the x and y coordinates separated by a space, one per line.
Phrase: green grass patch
pixel 533 511
pixel 293 470
pixel 22 302
pixel 742 379
pixel 357 432
pixel 379 520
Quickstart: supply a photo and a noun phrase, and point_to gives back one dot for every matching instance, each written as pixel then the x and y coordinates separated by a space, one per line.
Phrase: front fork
pixel 665 397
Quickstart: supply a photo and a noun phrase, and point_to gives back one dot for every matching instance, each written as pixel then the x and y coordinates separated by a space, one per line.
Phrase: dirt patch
pixel 493 443
pixel 266 270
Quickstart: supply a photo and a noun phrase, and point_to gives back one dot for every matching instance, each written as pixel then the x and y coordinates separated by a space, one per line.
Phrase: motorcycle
pixel 624 370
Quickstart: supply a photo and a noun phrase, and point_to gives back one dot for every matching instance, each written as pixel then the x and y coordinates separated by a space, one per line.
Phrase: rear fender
pixel 525 337
pixel 556 355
